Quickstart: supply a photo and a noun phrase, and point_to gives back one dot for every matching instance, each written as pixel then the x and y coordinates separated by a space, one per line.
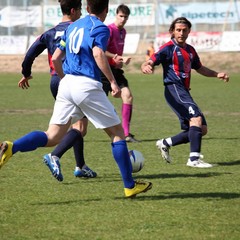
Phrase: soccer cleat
pixel 130 138
pixel 164 151
pixel 5 152
pixel 86 172
pixel 198 164
pixel 140 187
pixel 54 166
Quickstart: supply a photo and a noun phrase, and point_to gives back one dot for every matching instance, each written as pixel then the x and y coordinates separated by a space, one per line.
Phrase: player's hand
pixel 223 76
pixel 23 83
pixel 147 68
pixel 116 91
pixel 126 60
pixel 118 60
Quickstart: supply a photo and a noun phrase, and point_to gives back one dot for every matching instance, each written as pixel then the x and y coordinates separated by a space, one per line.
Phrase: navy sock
pixel 78 148
pixel 195 138
pixel 73 138
pixel 180 138
pixel 30 142
pixel 121 156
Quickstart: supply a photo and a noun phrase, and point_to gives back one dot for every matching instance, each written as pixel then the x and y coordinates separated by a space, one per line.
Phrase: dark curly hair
pixel 179 20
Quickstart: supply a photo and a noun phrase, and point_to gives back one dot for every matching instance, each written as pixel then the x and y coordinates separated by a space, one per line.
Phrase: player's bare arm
pixel 57 62
pixel 116 58
pixel 101 60
pixel 23 83
pixel 211 73
pixel 147 67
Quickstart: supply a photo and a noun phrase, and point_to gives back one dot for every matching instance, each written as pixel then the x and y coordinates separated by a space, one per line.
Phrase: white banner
pixel 13 44
pixel 196 12
pixel 141 15
pixel 207 41
pixel 131 43
pixel 16 16
pixel 201 41
pixel 230 42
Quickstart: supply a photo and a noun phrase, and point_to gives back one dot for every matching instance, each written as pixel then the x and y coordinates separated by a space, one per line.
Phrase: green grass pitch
pixel 184 203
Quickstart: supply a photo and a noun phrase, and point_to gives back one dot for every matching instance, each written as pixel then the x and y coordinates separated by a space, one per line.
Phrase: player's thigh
pixel 181 102
pixel 99 110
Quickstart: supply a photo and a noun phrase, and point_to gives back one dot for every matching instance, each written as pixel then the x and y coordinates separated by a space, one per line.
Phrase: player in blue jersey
pixel 49 40
pixel 80 93
pixel 177 59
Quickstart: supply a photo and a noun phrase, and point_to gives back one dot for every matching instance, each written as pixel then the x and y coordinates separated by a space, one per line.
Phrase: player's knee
pixel 196 121
pixel 204 130
pixel 83 132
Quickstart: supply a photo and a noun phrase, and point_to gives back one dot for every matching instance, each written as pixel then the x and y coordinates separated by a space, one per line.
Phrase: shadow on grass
pixel 237 162
pixel 207 195
pixel 108 140
pixel 66 202
pixel 225 138
pixel 181 175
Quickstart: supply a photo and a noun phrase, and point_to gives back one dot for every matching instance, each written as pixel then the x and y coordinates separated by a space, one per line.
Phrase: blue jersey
pixel 177 62
pixel 48 40
pixel 78 41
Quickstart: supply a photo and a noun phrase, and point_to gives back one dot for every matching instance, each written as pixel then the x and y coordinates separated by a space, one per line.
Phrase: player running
pixel 49 40
pixel 178 58
pixel 80 94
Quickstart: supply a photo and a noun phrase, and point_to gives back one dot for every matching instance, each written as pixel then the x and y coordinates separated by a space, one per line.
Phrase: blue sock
pixel 180 138
pixel 195 138
pixel 30 142
pixel 121 156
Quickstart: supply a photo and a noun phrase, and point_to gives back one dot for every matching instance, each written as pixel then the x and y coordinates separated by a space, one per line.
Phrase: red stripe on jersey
pixel 176 63
pixel 186 68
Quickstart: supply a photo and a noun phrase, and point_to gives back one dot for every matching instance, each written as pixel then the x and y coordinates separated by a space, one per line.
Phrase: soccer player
pixel 80 93
pixel 49 40
pixel 116 60
pixel 178 58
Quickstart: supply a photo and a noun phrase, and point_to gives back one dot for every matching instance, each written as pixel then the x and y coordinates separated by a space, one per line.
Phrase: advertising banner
pixel 197 12
pixel 13 45
pixel 15 16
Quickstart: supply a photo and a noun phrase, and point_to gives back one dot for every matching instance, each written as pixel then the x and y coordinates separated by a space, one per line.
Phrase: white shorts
pixel 80 96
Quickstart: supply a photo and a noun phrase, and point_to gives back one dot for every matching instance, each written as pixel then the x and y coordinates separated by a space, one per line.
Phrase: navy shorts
pixel 181 102
pixel 120 79
pixel 54 83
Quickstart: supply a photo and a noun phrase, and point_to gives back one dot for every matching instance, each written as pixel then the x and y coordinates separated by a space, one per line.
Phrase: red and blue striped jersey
pixel 48 40
pixel 177 62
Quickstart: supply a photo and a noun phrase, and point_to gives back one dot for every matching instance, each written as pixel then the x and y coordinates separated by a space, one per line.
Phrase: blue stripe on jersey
pixel 177 62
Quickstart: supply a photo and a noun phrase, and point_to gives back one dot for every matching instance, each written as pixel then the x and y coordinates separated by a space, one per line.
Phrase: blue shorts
pixel 181 102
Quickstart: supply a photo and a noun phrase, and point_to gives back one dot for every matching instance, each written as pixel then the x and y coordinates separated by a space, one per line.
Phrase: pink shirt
pixel 116 39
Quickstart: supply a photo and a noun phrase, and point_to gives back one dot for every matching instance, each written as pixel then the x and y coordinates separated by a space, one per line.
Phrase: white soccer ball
pixel 137 160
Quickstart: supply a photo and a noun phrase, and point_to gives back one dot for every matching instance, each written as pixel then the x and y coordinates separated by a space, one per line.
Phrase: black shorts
pixel 181 102
pixel 120 79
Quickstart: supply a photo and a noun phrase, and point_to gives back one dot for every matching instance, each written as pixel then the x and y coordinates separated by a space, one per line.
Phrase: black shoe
pixel 130 138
